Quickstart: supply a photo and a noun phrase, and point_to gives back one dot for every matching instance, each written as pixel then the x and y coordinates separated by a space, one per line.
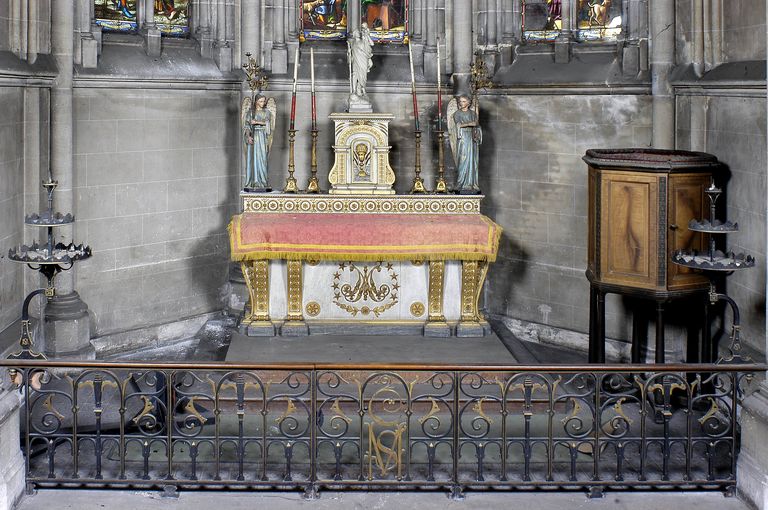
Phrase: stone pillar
pixel 152 37
pixel 86 45
pixel 563 41
pixel 662 33
pixel 67 326
pixel 698 36
pixel 462 46
pixel 250 23
pixel 223 50
pixel 713 37
pixel 509 20
pixel 12 467
pixel 752 468
pixel 430 47
pixel 203 28
pixel 279 48
pixel 353 15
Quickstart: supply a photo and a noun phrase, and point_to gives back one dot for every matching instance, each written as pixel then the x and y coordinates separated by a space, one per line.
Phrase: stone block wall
pixel 157 179
pixel 12 131
pixel 734 131
pixel 536 185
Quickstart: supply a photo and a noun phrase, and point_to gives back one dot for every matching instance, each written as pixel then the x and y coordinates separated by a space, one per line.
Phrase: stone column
pixel 279 48
pixel 353 15
pixel 12 467
pixel 752 479
pixel 152 37
pixel 250 34
pixel 462 45
pixel 509 21
pixel 67 328
pixel 203 28
pixel 662 34
pixel 563 41
pixel 415 22
pixel 698 36
pixel 222 53
pixel 430 47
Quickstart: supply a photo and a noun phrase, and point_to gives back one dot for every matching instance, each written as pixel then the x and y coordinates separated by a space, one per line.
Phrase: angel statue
pixel 465 136
pixel 258 119
pixel 359 52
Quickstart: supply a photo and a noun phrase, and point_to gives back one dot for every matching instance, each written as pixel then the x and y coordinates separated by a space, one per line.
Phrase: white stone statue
pixel 359 53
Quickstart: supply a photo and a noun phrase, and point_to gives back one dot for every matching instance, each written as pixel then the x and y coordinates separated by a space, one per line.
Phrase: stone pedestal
pixel 361 165
pixel 153 42
pixel 67 327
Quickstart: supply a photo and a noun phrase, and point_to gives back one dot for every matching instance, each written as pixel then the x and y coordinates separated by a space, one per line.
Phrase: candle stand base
pixel 313 186
pixel 418 185
pixel 291 186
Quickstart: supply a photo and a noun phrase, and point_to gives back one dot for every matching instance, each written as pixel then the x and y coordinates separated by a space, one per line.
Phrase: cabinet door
pixel 629 229
pixel 687 201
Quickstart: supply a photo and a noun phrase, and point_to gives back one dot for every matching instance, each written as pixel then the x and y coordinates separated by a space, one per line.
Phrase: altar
pixel 362 259
pixel 402 264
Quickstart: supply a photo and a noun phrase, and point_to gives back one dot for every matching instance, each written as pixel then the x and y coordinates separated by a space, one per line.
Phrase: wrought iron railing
pixel 419 426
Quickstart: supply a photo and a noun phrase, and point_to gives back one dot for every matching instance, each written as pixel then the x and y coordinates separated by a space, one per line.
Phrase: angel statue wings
pixel 258 120
pixel 465 136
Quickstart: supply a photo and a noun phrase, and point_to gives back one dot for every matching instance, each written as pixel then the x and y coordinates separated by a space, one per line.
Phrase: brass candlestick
pixel 313 186
pixel 290 184
pixel 418 182
pixel 440 185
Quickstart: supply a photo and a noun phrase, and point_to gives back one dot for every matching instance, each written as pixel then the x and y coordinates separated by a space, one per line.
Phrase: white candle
pixel 410 61
pixel 438 63
pixel 312 67
pixel 295 69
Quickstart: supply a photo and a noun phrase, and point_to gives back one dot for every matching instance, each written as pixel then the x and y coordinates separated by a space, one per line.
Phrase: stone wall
pixel 537 190
pixel 12 131
pixel 156 176
pixel 734 131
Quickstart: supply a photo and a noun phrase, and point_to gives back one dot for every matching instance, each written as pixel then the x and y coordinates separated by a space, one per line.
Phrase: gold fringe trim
pixel 362 257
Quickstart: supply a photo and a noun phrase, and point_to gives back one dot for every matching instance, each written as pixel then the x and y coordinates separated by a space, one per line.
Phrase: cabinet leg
pixel 592 324
pixel 639 328
pixel 660 332
pixel 600 329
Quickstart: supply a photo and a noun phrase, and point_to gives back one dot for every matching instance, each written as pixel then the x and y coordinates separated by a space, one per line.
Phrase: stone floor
pixel 127 500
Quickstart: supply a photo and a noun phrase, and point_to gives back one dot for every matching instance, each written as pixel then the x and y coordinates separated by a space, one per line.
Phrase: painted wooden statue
pixel 465 136
pixel 258 120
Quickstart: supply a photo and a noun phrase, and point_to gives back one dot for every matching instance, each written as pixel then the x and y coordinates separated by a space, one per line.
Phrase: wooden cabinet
pixel 640 203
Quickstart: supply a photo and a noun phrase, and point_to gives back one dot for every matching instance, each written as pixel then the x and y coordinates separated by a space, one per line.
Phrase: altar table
pixel 306 260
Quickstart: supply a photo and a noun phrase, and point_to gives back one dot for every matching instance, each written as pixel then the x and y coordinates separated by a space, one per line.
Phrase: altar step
pixel 370 349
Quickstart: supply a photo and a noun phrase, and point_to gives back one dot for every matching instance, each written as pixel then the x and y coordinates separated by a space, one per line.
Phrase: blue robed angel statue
pixel 258 121
pixel 465 136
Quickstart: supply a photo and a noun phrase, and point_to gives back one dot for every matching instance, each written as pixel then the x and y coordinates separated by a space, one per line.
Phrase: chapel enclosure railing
pixel 308 426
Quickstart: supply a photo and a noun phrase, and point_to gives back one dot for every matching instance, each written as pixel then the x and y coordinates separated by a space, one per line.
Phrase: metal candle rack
pixel 49 258
pixel 716 260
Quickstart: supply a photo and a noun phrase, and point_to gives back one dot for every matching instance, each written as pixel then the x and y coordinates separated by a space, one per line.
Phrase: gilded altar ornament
pixel 362 158
pixel 257 117
pixel 312 308
pixel 465 136
pixel 417 309
pixel 372 297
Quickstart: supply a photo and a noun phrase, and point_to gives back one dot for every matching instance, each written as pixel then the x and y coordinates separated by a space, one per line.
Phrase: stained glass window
pixel 171 16
pixel 116 15
pixel 387 19
pixel 323 19
pixel 598 20
pixel 541 19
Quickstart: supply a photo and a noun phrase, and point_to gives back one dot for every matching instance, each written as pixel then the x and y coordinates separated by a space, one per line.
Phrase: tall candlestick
pixel 293 95
pixel 413 88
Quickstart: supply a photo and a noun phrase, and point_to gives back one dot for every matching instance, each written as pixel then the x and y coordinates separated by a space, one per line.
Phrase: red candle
pixel 312 76
pixel 413 89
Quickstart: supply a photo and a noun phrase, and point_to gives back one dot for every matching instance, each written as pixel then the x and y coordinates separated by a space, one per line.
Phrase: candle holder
pixel 440 184
pixel 313 186
pixel 291 186
pixel 418 182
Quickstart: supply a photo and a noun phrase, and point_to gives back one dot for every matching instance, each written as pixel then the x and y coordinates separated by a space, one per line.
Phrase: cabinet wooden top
pixel 652 160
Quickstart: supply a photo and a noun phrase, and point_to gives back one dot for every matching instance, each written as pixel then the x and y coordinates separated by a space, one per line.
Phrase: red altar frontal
pixel 403 262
